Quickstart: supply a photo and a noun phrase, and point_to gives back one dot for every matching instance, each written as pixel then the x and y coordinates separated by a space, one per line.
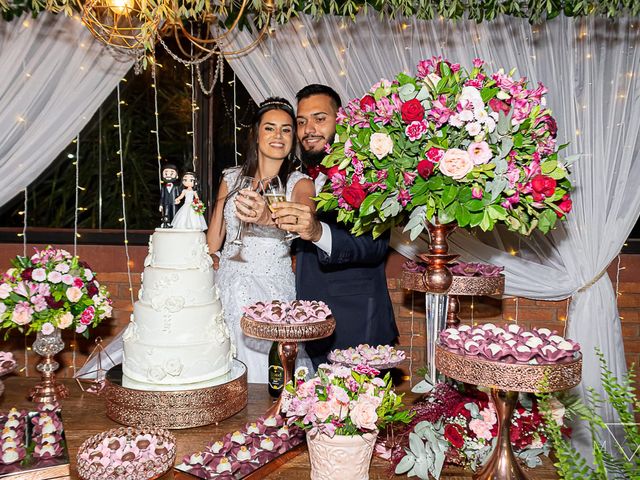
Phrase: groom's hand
pixel 298 218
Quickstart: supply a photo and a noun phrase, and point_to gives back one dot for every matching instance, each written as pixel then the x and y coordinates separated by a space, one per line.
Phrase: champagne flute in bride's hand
pixel 273 191
pixel 243 183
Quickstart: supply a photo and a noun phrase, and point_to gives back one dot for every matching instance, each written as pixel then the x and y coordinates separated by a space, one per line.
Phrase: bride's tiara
pixel 276 103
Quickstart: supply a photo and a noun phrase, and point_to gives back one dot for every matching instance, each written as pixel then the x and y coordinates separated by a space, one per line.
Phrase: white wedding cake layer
pixel 177 336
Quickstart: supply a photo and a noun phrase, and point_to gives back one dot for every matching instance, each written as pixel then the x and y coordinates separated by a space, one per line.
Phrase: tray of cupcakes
pixel 32 444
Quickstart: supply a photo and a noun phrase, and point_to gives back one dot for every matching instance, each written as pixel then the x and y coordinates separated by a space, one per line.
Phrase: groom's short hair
pixel 317 89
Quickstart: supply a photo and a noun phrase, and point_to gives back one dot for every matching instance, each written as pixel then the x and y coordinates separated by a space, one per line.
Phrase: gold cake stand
pixel 287 335
pixel 506 380
pixel 176 409
pixel 460 286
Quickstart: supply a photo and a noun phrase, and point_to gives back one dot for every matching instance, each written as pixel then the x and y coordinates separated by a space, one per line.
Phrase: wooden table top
pixel 84 416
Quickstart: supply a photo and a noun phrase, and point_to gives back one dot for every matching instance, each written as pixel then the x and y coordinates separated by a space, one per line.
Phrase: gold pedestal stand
pixel 287 335
pixel 506 380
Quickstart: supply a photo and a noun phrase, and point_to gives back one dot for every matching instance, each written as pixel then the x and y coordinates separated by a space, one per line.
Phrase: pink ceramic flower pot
pixel 344 457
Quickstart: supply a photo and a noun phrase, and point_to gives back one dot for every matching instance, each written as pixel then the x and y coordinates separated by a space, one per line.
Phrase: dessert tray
pixel 381 357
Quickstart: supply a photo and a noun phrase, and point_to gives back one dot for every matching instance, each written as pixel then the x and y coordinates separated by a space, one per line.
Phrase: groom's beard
pixel 311 158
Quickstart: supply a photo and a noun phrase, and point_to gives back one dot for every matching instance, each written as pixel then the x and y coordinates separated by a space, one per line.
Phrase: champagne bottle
pixel 276 372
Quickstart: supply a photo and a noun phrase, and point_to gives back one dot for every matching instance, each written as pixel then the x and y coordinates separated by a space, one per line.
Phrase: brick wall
pixel 110 264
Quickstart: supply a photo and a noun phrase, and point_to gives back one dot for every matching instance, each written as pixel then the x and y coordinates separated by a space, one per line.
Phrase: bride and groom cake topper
pixel 174 195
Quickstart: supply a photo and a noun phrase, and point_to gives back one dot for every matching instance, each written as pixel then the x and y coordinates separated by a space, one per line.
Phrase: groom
pixel 332 265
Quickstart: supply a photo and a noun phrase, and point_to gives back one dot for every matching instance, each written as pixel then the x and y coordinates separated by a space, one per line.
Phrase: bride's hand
pixel 251 208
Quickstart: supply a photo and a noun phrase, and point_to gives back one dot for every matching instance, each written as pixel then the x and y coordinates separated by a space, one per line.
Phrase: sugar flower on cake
pixel 51 289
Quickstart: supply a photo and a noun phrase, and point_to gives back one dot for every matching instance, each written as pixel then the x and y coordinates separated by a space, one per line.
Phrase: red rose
pixel 92 289
pixel 412 111
pixel 354 194
pixel 461 410
pixel 565 205
pixel 425 168
pixel 367 103
pixel 435 154
pixel 453 433
pixel 499 106
pixel 334 171
pixel 543 187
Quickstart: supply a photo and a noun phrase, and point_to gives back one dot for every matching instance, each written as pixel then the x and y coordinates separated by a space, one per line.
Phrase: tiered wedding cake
pixel 177 337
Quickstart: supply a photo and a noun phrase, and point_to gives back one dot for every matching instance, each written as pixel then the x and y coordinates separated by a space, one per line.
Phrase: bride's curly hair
pixel 250 166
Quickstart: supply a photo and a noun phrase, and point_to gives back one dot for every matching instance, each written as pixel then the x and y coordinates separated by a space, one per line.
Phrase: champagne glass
pixel 243 183
pixel 273 191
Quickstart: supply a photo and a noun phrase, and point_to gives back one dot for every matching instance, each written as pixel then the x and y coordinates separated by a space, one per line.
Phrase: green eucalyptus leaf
pixel 405 464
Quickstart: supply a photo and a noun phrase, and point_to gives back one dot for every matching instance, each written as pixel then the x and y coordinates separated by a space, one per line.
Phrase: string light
pixel 235 121
pixel 25 212
pixel 193 120
pixel 124 207
pixel 77 191
pixel 155 105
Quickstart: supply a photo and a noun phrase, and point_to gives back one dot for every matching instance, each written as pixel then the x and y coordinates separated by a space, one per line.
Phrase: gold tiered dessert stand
pixel 287 335
pixel 506 380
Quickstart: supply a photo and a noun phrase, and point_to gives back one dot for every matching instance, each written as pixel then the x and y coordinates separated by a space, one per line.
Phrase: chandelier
pixel 136 25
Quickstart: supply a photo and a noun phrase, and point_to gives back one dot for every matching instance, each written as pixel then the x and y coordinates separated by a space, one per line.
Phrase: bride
pixel 260 269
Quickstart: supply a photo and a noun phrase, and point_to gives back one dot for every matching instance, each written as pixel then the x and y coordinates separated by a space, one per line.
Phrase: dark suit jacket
pixel 353 283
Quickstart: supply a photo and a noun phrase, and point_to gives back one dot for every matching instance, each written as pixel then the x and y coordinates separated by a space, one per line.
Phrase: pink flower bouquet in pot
pixel 468 146
pixel 342 410
pixel 51 290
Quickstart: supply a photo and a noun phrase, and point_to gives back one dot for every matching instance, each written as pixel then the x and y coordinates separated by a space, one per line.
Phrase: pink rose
pixel 5 290
pixel 47 328
pixel 81 328
pixel 54 277
pixel 322 411
pixel 364 415
pixel 67 279
pixel 62 268
pixel 22 313
pixel 481 429
pixel 74 294
pixel 39 274
pixel 455 163
pixel 479 152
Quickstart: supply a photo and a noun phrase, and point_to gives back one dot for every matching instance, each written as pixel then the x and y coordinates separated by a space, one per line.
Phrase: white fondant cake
pixel 177 335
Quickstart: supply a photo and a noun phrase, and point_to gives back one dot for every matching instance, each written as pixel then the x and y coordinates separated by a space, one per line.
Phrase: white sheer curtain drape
pixel 591 69
pixel 54 76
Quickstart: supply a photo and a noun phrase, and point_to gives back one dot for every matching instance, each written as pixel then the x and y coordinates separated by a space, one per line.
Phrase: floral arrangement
pixel 51 289
pixel 474 147
pixel 459 425
pixel 296 311
pixel 511 344
pixel 343 401
pixel 198 206
pixel 377 357
pixel 242 452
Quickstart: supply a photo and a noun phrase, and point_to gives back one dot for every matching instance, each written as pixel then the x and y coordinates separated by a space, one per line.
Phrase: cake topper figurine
pixel 191 215
pixel 169 192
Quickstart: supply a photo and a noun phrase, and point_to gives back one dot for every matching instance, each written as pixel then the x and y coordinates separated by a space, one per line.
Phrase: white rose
pixel 65 320
pixel 156 373
pixel 74 294
pixel 455 163
pixel 47 328
pixel 473 128
pixel 88 274
pixel 380 145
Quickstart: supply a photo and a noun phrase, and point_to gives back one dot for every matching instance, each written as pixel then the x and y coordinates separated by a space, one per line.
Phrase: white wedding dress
pixel 186 218
pixel 260 270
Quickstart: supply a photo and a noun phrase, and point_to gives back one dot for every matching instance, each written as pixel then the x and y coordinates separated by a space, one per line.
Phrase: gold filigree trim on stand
pixel 288 332
pixel 460 286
